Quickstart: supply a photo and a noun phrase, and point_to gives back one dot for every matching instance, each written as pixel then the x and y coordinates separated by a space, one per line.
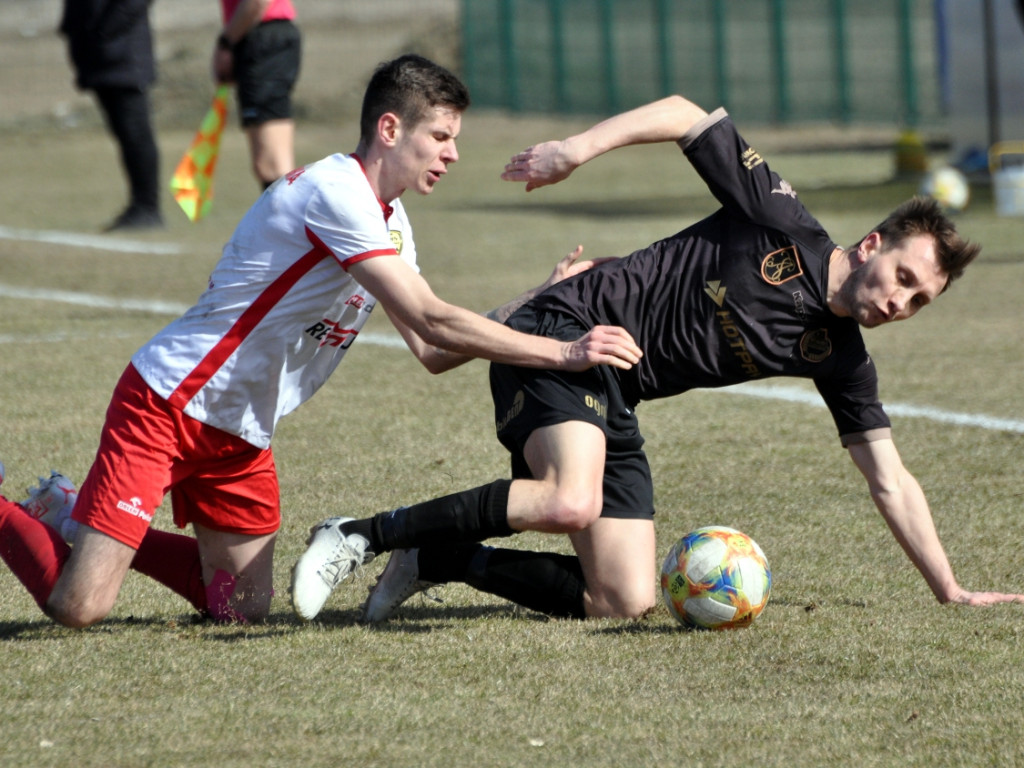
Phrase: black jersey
pixel 738 296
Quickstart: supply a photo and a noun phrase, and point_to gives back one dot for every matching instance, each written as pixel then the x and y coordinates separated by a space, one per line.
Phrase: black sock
pixel 541 581
pixel 473 515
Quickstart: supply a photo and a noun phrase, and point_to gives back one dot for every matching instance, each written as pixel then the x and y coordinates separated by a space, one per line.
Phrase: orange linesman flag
pixel 192 183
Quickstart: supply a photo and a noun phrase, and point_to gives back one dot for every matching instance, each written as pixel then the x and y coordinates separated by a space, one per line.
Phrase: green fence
pixel 779 61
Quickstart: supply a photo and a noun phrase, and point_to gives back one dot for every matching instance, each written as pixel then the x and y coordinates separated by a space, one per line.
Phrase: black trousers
pixel 127 114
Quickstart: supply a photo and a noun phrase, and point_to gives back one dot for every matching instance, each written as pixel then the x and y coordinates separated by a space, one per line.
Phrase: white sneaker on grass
pixel 51 502
pixel 328 560
pixel 399 581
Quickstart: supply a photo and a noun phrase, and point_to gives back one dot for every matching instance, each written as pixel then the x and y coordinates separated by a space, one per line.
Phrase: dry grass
pixel 852 662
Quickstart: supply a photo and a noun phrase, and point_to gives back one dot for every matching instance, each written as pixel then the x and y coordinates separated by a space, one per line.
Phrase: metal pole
pixel 781 63
pixel 721 53
pixel 558 55
pixel 508 55
pixel 991 73
pixel 906 48
pixel 842 59
pixel 663 20
pixel 608 44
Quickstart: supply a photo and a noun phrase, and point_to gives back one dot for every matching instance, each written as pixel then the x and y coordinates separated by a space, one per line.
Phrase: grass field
pixel 852 662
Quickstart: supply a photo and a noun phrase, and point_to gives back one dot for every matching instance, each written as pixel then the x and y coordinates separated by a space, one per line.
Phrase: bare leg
pixel 271 147
pixel 567 463
pixel 91 579
pixel 619 559
pixel 238 573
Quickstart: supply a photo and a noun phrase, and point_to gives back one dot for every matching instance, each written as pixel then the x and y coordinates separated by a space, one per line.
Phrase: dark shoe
pixel 135 218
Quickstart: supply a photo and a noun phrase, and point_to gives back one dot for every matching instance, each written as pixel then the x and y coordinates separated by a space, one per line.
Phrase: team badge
pixel 815 345
pixel 396 239
pixel 781 265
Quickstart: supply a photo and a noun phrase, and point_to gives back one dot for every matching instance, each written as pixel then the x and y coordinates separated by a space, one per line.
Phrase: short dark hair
pixel 924 216
pixel 410 86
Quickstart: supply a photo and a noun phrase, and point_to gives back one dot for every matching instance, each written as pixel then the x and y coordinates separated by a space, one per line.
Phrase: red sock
pixel 32 550
pixel 173 560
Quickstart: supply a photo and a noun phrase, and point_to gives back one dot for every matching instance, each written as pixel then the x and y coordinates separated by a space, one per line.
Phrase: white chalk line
pixel 99 242
pixel 791 394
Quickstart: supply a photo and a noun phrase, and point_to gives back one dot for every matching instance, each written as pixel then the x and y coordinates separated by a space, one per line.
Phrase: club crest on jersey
pixel 815 345
pixel 396 239
pixel 781 265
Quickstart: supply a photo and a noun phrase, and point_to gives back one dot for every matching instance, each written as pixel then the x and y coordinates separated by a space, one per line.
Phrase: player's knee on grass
pixel 90 579
pixel 78 612
pixel 227 602
pixel 623 601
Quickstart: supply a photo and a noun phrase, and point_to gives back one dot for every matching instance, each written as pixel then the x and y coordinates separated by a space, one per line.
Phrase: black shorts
pixel 266 68
pixel 526 399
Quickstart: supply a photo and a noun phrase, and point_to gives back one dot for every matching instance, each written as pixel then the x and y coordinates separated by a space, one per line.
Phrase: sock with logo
pixel 541 581
pixel 173 560
pixel 33 551
pixel 473 515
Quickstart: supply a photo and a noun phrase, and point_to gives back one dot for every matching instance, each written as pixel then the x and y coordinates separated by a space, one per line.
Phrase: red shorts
pixel 148 448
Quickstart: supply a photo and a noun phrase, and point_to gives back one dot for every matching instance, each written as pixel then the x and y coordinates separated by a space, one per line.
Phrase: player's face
pixel 428 148
pixel 892 284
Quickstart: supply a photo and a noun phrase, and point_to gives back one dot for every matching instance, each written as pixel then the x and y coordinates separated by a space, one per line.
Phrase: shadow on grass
pixel 276 625
pixel 45 629
pixel 428 618
pixel 410 619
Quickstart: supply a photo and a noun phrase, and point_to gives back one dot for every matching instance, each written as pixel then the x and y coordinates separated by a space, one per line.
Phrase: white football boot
pixel 399 581
pixel 51 502
pixel 328 560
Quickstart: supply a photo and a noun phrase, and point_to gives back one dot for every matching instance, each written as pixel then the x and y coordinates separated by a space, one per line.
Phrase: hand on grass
pixel 980 599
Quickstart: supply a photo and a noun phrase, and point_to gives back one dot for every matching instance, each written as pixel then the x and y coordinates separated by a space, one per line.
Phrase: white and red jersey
pixel 281 309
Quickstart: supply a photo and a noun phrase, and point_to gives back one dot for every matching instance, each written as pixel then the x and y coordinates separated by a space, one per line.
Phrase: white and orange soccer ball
pixel 716 578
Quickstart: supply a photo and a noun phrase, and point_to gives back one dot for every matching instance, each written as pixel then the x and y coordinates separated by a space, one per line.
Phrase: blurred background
pixel 934 82
pixel 953 69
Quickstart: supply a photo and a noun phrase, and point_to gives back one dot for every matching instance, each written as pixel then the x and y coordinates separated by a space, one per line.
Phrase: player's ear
pixel 388 128
pixel 869 246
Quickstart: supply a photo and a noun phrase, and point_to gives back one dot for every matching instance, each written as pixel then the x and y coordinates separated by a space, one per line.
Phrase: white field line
pixel 100 242
pixel 791 394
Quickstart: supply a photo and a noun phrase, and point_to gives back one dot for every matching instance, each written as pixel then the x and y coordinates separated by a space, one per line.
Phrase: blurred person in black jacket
pixel 111 49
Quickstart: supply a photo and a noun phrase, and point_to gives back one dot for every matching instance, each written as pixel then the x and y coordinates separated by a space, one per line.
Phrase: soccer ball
pixel 948 187
pixel 715 578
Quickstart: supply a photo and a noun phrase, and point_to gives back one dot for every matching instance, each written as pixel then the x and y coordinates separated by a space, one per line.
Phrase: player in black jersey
pixel 757 289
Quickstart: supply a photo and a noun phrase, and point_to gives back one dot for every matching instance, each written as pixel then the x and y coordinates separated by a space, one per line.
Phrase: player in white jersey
pixel 278 279
pixel 195 411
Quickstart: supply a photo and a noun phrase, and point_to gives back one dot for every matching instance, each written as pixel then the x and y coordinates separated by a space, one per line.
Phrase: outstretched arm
pixel 902 503
pixel 667 119
pixel 429 324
